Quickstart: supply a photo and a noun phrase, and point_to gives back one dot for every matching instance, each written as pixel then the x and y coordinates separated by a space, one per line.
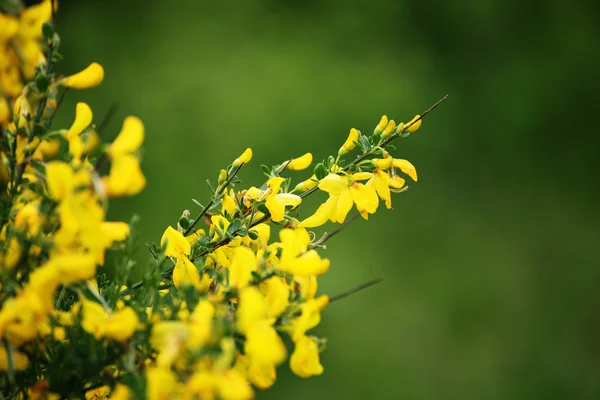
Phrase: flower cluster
pixel 230 295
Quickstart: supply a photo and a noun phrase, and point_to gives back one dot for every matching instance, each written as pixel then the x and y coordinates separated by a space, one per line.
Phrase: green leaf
pixel 253 235
pixel 184 222
pixel 320 171
pixel 48 30
pixel 266 170
pixel 42 82
pixel 197 203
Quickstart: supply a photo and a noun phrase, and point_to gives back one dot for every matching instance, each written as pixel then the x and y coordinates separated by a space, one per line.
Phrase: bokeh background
pixel 491 259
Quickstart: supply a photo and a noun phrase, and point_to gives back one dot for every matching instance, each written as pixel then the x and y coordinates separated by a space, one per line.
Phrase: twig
pixel 355 289
pixel 107 118
pixel 60 100
pixel 212 201
pixel 334 232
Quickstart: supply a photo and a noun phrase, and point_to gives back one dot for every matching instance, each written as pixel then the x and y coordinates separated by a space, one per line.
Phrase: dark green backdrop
pixel 491 263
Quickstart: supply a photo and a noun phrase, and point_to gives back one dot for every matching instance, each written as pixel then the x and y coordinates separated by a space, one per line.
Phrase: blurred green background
pixel 490 260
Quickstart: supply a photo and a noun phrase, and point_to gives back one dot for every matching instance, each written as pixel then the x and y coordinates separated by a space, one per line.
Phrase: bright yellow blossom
pixel 276 202
pixel 350 142
pixel 87 78
pixel 185 273
pixel 300 163
pixel 304 361
pixel 243 159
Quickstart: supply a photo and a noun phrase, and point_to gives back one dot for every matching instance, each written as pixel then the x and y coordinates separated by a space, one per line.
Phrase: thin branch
pixel 355 289
pixel 302 195
pixel 334 232
pixel 212 201
pixel 112 110
pixel 60 100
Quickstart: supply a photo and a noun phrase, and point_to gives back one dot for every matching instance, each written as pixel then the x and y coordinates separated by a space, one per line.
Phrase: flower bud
pixel 381 126
pixel 90 77
pixel 349 144
pixel 243 159
pixel 307 184
pixel 222 177
pixel 300 163
pixel 383 163
pixel 389 129
pixel 412 125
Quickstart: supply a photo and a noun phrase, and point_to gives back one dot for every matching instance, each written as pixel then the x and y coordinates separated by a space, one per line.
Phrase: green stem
pixel 212 201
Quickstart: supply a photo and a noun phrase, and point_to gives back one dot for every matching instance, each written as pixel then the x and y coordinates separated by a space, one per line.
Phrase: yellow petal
pixel 334 184
pixel 415 125
pixel 244 158
pixel 383 163
pixel 349 144
pixel 242 265
pixel 304 361
pixel 175 242
pixel 185 273
pixel 361 176
pixel 125 178
pixel 83 119
pixel 129 139
pixel 406 167
pixel 59 179
pixel 381 125
pixel 116 231
pixel 365 198
pixel 300 163
pixel 317 219
pixel 344 205
pixel 88 78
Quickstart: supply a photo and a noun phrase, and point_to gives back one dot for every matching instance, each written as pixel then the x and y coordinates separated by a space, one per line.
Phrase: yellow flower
pixel 228 205
pixel 300 163
pixel 277 293
pixel 383 123
pixel 276 202
pixel 307 184
pixel 88 78
pixel 116 231
pixel 343 193
pixel 125 178
pixel 415 125
pixel 406 167
pixel 83 119
pixel 161 384
pixel 310 317
pixel 304 361
pixel 168 338
pixel 242 264
pixel 11 255
pixel 389 129
pixel 231 385
pixel 201 324
pixel 129 139
pixel 349 144
pixel 177 246
pixel 252 308
pixel 306 286
pixel 119 325
pixel 295 259
pixel 263 344
pixel 243 159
